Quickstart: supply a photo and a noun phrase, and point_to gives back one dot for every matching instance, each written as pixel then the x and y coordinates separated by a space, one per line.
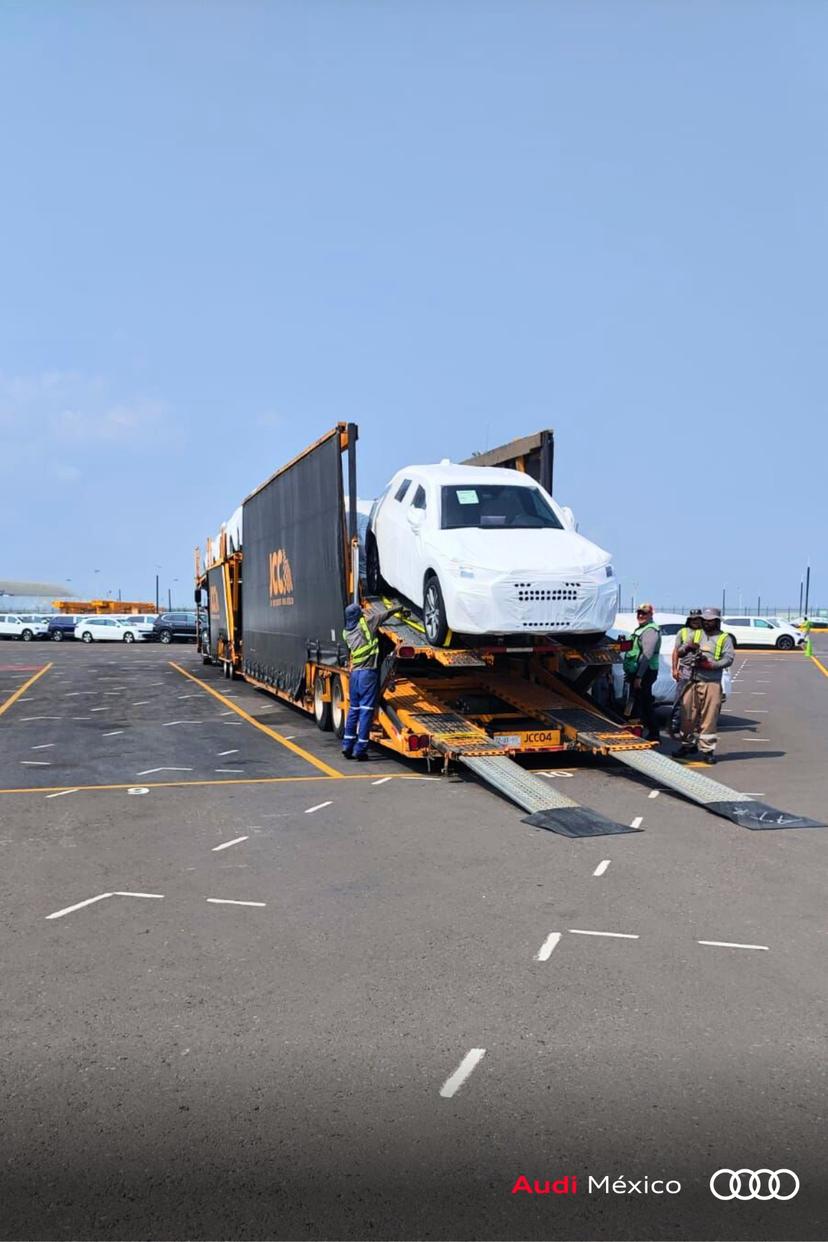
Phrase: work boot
pixel 362 757
pixel 709 758
pixel 683 751
pixel 346 754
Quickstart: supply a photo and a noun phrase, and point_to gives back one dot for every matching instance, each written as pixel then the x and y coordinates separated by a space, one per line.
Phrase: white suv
pixel 16 625
pixel 107 629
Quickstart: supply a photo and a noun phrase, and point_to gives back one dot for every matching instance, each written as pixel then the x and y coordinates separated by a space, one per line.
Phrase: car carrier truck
pixel 277 580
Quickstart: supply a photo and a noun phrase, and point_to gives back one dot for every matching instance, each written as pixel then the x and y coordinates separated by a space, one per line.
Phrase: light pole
pixel 157 597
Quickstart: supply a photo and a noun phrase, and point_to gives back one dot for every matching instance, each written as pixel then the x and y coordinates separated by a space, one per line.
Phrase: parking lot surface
pixel 252 991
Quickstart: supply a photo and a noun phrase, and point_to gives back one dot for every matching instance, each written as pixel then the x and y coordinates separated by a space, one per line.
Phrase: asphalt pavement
pixel 252 991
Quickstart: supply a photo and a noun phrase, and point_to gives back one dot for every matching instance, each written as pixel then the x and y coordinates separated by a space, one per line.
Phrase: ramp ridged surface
pixel 712 795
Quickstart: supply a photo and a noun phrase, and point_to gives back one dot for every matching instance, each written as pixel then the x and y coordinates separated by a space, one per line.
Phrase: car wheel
pixel 338 712
pixel 165 636
pixel 434 612
pixel 321 706
pixel 86 636
pixel 785 643
pixel 129 637
pixel 27 636
pixel 375 582
pixel 57 636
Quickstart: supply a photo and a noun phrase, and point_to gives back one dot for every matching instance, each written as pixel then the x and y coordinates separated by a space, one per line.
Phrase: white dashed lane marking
pixel 545 951
pixel 470 1062
pixel 226 901
pixel 225 845
pixel 728 944
pixel 319 806
pixel 602 866
pixel 578 931
pixel 636 823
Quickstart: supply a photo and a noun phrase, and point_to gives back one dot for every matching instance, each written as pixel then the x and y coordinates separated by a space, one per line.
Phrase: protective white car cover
pixel 495 578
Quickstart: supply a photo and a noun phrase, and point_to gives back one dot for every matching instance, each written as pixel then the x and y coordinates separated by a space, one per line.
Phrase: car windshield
pixel 496 504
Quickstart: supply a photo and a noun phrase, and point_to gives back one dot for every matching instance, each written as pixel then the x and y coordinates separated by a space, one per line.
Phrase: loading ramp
pixel 482 706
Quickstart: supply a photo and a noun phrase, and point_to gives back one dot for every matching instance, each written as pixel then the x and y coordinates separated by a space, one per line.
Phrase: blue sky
pixel 227 226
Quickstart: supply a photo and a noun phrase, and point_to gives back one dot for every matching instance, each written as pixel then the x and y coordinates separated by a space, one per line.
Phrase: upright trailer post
pixel 353 529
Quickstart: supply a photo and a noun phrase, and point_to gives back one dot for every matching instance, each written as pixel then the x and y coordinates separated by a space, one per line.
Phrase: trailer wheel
pixel 321 707
pixel 338 712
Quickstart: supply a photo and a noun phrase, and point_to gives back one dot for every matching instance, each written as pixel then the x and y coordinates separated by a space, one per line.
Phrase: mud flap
pixel 760 817
pixel 576 821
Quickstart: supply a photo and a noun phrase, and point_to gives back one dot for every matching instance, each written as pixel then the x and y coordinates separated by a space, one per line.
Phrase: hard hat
pixel 644 608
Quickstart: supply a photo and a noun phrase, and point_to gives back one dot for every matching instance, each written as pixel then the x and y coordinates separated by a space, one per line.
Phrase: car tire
pixel 165 636
pixel 321 706
pixel 27 636
pixel 374 580
pixel 785 643
pixel 129 637
pixel 57 636
pixel 338 711
pixel 434 612
pixel 86 636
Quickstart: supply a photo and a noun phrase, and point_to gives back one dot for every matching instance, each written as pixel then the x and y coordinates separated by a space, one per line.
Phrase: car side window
pixel 737 621
pixel 762 625
pixel 419 501
pixel 402 489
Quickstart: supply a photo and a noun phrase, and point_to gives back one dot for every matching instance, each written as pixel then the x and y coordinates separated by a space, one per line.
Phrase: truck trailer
pixel 277 580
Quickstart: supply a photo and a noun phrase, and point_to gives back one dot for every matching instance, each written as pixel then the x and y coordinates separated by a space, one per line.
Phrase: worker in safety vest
pixel 711 651
pixel 682 667
pixel 641 669
pixel 360 634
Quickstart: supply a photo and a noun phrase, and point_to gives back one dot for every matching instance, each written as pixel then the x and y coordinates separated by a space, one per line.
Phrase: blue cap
pixel 352 614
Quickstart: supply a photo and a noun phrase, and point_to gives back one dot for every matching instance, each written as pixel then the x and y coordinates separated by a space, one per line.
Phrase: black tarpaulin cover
pixel 293 579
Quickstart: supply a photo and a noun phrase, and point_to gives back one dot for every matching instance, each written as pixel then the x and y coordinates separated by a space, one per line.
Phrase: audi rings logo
pixel 760 1184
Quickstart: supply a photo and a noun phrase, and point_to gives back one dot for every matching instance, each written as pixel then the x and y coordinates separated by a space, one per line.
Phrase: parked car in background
pixel 485 550
pixel 106 630
pixel 23 626
pixel 38 621
pixel 763 632
pixel 170 626
pixel 62 626
pixel 665 688
pixel 143 624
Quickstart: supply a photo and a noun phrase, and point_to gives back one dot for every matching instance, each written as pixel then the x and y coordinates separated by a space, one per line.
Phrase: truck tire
pixel 434 612
pixel 321 707
pixel 338 712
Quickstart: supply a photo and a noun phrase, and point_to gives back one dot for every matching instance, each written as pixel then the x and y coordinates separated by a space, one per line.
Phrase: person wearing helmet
pixel 711 651
pixel 682 667
pixel 641 669
pixel 360 634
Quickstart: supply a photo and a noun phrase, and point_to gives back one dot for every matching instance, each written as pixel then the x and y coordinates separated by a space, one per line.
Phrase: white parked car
pixel 140 623
pixel 23 626
pixel 486 550
pixel 665 688
pixel 107 629
pixel 763 632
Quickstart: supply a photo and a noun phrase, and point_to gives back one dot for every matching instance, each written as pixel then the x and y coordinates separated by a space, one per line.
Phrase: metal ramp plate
pixel 547 808
pixel 712 795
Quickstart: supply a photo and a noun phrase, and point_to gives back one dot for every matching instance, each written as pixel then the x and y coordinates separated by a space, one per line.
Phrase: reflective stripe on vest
pixel 369 647
pixel 721 639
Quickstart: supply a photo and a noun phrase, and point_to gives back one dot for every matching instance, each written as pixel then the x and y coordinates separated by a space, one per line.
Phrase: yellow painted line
pixel 820 666
pixel 277 737
pixel 22 689
pixel 245 780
